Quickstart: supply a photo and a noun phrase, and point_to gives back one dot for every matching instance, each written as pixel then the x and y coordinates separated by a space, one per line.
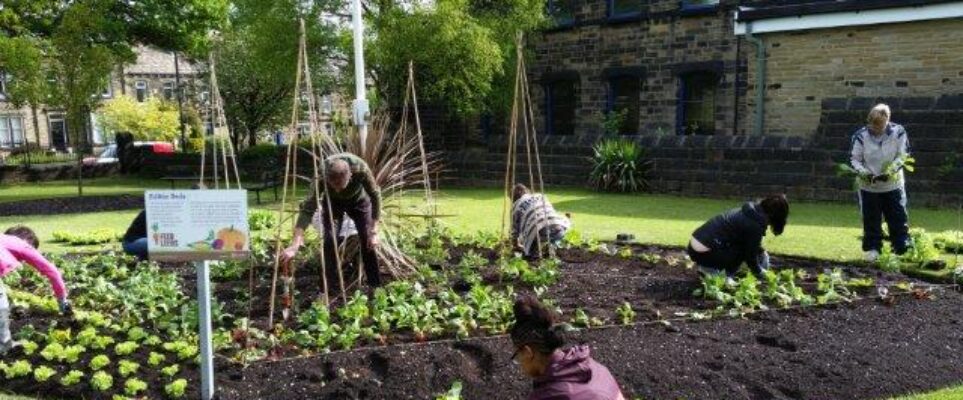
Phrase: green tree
pixel 463 50
pixel 257 60
pixel 152 120
pixel 22 58
pixel 84 40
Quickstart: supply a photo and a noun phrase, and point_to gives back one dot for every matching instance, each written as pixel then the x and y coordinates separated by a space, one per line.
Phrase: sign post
pixel 198 226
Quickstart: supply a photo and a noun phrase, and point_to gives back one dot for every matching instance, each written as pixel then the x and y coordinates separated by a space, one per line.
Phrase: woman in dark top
pixel 558 372
pixel 134 241
pixel 728 240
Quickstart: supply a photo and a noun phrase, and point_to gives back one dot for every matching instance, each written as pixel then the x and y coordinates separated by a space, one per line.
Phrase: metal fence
pixel 37 156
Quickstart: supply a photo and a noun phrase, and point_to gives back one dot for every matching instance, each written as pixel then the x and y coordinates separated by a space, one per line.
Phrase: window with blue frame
pixel 560 104
pixel 624 8
pixel 699 4
pixel 562 11
pixel 697 95
pixel 623 97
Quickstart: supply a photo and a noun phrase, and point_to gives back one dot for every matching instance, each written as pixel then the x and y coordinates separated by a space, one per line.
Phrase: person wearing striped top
pixel 534 220
pixel 879 150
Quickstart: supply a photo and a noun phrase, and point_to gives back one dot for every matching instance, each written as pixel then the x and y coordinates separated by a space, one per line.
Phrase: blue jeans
pixel 890 206
pixel 136 248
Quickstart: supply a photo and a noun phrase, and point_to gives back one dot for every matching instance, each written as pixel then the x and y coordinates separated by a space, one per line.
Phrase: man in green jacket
pixel 352 190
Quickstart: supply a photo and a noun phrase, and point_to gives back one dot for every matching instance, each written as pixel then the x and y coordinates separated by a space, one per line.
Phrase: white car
pixel 107 156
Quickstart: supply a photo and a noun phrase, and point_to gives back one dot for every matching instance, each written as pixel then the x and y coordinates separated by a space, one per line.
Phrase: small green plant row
pixel 96 236
pixel 100 380
pixel 781 288
pixel 401 307
pixel 925 251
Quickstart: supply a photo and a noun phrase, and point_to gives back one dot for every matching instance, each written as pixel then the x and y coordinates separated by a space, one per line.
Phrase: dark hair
pixel 24 233
pixel 337 169
pixel 776 208
pixel 535 326
pixel 518 191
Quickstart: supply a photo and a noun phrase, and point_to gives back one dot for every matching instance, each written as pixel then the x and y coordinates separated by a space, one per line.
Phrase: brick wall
pixel 917 61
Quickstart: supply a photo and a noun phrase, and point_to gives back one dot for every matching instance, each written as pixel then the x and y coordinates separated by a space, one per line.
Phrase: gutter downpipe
pixel 760 115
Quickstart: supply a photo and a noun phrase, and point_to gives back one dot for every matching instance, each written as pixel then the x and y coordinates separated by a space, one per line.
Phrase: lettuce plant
pixel 101 381
pixel 155 359
pixel 127 368
pixel 125 348
pixel 134 386
pixel 99 362
pixel 43 373
pixel 170 371
pixel 72 378
pixel 176 389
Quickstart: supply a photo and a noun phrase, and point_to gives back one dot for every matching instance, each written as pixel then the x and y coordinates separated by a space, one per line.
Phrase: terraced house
pixel 153 75
pixel 739 98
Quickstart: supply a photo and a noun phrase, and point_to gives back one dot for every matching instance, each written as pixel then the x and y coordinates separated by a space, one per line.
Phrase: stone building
pixel 152 75
pixel 738 97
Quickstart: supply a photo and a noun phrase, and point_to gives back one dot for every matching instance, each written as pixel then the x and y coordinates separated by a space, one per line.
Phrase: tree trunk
pixel 77 119
pixel 251 136
pixel 36 124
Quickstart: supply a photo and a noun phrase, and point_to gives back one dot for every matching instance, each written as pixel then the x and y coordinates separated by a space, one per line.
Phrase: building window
pixel 326 107
pixel 168 90
pixel 562 11
pixel 205 97
pixel 560 103
pixel 108 91
pixel 697 94
pixel 11 131
pixel 623 98
pixel 699 4
pixel 624 8
pixel 140 88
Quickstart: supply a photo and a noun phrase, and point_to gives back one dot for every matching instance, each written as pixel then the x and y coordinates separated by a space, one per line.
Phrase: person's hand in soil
pixel 65 308
pixel 292 251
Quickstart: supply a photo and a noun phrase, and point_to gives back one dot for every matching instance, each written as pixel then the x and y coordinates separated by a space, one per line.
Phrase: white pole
pixel 360 102
pixel 204 307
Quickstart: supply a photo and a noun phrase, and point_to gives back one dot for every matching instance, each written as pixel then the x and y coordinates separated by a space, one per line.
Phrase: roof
pixel 151 61
pixel 812 7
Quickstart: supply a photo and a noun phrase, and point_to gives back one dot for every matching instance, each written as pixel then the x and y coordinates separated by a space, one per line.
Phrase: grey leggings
pixel 5 339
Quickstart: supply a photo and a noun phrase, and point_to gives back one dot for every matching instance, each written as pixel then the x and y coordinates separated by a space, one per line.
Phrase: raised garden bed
pixel 852 344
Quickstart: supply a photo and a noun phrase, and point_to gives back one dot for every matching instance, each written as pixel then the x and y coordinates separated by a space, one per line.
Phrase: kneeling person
pixel 351 189
pixel 535 221
pixel 728 240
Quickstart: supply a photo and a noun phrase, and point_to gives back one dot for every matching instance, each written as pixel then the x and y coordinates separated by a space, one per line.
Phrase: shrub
pixel 619 166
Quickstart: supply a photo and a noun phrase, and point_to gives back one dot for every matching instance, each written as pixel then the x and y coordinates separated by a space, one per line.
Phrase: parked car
pixel 109 154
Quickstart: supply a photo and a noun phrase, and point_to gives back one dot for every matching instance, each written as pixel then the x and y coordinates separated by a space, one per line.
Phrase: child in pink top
pixel 17 245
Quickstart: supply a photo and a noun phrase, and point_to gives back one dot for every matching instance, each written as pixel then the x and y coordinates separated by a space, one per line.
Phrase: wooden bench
pixel 265 180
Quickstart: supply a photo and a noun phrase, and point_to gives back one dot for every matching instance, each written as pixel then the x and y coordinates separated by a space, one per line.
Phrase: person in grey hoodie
pixel 879 151
pixel 559 372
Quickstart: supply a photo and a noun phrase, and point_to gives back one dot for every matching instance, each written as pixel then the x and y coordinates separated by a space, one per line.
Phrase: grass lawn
pixel 98 186
pixel 821 230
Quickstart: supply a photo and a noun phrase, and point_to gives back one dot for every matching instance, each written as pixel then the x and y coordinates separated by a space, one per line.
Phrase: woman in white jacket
pixel 879 150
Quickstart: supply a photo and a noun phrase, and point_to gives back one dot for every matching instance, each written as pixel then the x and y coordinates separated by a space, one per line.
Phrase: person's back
pixel 533 216
pixel 573 375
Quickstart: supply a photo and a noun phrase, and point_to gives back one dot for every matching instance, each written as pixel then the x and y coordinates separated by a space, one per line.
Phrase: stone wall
pixel 917 61
pixel 749 166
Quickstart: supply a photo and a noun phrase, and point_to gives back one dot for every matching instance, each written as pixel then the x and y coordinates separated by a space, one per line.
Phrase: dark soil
pixel 71 205
pixel 865 350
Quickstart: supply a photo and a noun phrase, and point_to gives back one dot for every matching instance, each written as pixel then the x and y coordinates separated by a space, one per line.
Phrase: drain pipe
pixel 757 129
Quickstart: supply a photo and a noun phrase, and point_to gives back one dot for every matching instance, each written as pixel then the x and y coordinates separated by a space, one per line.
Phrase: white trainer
pixel 872 256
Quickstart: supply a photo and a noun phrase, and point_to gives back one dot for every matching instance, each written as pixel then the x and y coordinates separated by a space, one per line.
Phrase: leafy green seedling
pixel 170 371
pixel 72 378
pixel 127 368
pixel 18 369
pixel 53 351
pixel 153 341
pixel 99 362
pixel 125 348
pixel 452 394
pixel 155 359
pixel 28 347
pixel 136 334
pixel 43 373
pixel 626 313
pixel 133 386
pixel 176 389
pixel 101 381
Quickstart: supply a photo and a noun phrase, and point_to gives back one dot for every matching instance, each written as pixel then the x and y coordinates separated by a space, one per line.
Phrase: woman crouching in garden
pixel 559 372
